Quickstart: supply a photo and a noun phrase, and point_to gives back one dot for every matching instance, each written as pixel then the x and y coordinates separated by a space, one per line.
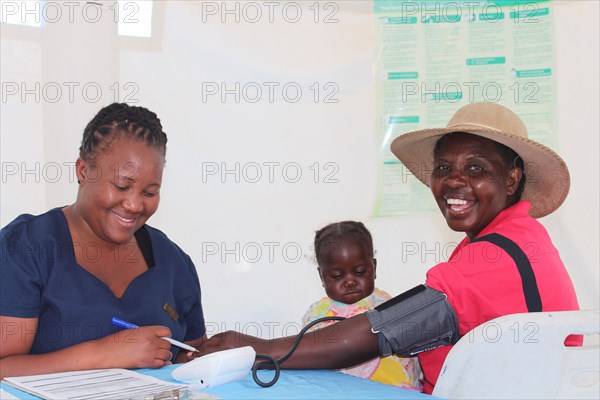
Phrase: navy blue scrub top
pixel 40 278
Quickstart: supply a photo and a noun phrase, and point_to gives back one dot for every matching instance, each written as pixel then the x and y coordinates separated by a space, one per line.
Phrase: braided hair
pixel 327 237
pixel 117 121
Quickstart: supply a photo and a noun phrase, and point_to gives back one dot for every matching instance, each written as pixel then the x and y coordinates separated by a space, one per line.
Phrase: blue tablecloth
pixel 304 384
pixel 292 384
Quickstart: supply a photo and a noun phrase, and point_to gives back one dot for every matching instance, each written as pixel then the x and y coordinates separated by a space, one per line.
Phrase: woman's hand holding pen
pixel 141 347
pixel 131 348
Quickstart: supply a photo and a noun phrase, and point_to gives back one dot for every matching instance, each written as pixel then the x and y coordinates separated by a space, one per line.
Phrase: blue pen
pixel 128 325
pixel 123 324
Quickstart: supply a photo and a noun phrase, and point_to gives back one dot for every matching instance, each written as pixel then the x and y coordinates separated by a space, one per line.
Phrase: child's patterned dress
pixel 393 370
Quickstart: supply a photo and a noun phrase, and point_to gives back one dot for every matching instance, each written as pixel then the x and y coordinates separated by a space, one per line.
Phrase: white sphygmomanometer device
pixel 216 368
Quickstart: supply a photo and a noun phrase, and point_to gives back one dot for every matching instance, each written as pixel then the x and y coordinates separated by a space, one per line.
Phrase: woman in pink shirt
pixel 491 182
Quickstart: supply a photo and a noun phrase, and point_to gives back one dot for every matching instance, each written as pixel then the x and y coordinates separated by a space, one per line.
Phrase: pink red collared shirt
pixel 482 281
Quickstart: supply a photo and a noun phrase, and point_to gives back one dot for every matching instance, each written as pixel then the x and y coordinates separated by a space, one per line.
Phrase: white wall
pixel 266 294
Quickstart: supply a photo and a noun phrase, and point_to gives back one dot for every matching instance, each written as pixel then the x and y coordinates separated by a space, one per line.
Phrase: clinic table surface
pixel 292 384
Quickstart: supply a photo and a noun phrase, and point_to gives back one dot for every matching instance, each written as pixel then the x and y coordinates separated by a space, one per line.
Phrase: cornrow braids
pixel 327 237
pixel 121 120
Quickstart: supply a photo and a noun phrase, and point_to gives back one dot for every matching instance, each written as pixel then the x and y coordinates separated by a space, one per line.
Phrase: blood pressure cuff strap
pixel 417 320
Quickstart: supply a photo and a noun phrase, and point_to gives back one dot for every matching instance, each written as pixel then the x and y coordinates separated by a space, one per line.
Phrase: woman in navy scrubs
pixel 66 273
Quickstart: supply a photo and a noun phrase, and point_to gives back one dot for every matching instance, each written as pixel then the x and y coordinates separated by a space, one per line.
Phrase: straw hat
pixel 548 181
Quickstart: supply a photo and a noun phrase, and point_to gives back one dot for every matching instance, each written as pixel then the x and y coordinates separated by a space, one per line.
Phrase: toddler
pixel 346 265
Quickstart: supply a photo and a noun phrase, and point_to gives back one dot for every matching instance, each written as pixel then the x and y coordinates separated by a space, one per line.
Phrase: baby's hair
pixel 120 120
pixel 509 156
pixel 326 238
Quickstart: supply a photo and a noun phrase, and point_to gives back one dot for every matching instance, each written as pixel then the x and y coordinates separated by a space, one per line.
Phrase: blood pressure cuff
pixel 417 320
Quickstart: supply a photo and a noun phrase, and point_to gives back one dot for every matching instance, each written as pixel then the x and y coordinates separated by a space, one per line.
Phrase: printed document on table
pixel 94 384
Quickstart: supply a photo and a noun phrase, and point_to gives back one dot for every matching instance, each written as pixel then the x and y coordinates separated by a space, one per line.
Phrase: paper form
pixel 93 384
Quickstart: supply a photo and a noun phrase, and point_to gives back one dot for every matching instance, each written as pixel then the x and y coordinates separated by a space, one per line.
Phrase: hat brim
pixel 547 176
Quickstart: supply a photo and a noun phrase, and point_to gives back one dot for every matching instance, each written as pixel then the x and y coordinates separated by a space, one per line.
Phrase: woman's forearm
pixel 133 348
pixel 343 344
pixel 79 357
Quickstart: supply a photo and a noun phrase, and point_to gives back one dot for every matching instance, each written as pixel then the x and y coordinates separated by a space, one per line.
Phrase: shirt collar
pixel 517 210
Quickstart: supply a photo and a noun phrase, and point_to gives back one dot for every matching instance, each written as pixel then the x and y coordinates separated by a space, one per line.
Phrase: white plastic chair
pixel 522 356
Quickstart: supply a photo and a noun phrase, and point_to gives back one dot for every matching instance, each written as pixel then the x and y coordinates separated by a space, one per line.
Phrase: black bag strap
pixel 530 289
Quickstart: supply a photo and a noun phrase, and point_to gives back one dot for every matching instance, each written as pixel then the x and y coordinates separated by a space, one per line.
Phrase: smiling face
pixel 119 190
pixel 471 182
pixel 348 273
